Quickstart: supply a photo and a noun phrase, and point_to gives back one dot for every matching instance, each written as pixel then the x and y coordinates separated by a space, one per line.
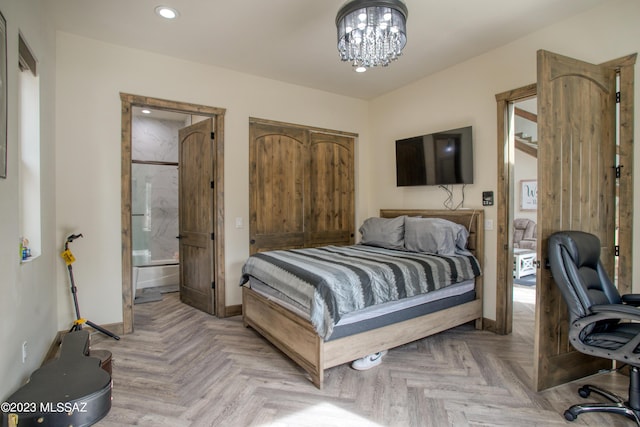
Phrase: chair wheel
pixel 584 391
pixel 569 416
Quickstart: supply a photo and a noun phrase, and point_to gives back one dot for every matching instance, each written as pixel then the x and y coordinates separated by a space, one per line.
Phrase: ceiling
pixel 295 40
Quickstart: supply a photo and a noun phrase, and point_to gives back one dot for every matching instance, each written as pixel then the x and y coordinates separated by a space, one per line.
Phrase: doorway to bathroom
pixel 155 252
pixel 158 140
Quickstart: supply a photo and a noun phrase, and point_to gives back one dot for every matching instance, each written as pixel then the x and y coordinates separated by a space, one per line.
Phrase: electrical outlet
pixel 24 352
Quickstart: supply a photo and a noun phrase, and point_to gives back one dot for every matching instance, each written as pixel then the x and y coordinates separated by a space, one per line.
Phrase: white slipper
pixel 369 361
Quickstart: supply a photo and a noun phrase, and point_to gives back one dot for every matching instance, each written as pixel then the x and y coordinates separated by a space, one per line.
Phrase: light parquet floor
pixel 182 367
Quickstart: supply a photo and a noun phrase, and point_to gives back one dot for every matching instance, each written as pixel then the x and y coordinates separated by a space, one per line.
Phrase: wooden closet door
pixel 301 187
pixel 278 159
pixel 331 191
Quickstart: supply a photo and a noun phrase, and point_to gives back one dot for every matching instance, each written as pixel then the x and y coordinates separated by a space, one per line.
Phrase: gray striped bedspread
pixel 333 280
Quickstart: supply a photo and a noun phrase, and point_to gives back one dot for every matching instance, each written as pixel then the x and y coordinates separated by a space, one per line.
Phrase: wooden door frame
pixel 505 192
pixel 128 101
pixel 505 214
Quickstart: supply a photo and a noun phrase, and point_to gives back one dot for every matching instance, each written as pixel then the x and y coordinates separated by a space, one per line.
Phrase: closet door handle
pixel 178 237
pixel 252 241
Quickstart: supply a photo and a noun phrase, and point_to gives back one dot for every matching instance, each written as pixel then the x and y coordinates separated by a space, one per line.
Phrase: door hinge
pixel 616 250
pixel 619 171
pixel 213 134
pixel 538 264
pixel 213 285
pixel 617 97
pixel 213 236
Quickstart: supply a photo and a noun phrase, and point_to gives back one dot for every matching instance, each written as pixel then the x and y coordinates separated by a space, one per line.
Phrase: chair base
pixel 618 405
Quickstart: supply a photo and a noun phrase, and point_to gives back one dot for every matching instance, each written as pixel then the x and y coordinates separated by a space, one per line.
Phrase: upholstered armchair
pixel 524 234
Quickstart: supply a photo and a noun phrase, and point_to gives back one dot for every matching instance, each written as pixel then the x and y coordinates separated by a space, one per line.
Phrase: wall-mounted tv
pixel 440 158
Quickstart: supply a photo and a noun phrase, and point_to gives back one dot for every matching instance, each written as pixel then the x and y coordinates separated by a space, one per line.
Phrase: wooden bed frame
pixel 296 337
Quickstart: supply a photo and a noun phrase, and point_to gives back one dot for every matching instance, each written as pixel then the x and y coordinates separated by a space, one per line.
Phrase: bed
pixel 316 345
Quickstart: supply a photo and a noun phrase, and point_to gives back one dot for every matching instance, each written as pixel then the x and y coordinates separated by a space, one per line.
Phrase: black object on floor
pixel 70 390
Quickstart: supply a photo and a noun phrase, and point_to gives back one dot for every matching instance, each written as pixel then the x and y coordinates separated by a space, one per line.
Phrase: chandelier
pixel 371 32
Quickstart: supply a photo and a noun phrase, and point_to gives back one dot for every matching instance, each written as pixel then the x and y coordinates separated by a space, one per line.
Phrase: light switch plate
pixel 487 198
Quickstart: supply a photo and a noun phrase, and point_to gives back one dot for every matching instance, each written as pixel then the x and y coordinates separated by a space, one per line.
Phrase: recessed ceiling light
pixel 167 12
pixel 145 111
pixel 360 69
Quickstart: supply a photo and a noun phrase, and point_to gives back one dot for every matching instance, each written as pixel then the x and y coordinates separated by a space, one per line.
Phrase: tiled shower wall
pixel 155 190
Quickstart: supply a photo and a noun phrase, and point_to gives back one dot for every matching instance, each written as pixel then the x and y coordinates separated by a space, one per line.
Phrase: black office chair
pixel 597 316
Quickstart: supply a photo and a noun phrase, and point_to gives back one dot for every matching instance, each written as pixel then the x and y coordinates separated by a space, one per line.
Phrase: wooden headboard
pixel 472 219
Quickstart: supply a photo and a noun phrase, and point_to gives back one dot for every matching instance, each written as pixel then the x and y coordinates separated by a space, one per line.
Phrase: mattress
pixel 381 314
pixel 331 282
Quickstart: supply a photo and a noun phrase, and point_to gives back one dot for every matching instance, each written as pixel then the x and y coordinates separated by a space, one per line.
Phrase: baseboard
pixel 489 325
pixel 53 348
pixel 233 310
pixel 116 328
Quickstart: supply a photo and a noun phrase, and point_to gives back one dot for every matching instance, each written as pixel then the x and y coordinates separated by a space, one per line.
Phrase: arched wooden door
pixel 331 191
pixel 278 163
pixel 576 133
pixel 196 218
pixel 301 187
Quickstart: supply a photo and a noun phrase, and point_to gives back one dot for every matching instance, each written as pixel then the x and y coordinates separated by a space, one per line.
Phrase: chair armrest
pixel 605 312
pixel 631 299
pixel 615 311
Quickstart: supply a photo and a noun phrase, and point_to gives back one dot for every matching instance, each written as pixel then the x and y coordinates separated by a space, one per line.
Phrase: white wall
pixel 80 158
pixel 465 95
pixel 91 75
pixel 27 291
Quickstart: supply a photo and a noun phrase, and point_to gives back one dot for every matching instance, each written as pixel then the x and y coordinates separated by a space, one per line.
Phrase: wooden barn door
pixel 278 161
pixel 331 191
pixel 301 187
pixel 576 132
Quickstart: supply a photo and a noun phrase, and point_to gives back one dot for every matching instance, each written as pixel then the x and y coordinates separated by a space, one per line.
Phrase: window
pixel 29 141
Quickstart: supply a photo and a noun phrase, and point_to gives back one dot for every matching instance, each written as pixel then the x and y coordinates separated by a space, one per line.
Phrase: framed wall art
pixel 529 195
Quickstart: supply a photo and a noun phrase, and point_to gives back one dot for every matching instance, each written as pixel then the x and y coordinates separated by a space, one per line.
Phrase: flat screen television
pixel 440 158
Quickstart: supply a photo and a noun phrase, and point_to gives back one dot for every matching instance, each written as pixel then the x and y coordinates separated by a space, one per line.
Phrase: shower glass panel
pixel 154 210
